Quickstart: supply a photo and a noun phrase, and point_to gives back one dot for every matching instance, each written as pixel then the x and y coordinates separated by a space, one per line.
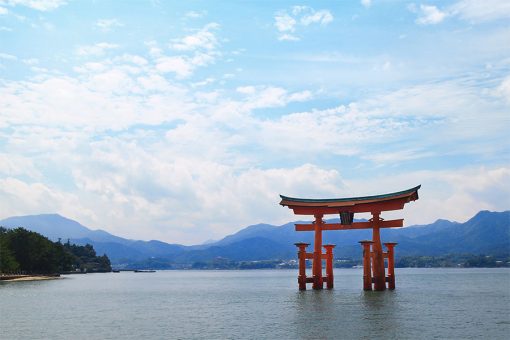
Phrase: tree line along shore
pixel 27 254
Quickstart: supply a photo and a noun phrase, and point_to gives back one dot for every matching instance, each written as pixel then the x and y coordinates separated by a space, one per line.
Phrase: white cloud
pixel 120 178
pixel 287 37
pixel 15 165
pixel 202 59
pixel 195 14
pixel 3 11
pixel 129 92
pixel 300 16
pixel 473 11
pixel 284 22
pixel 154 49
pixel 108 24
pixel 203 39
pixel 131 58
pixel 191 167
pixel 322 17
pixel 430 15
pixel 454 124
pixel 456 194
pixel 296 10
pixel 31 61
pixel 7 56
pixel 95 50
pixel 40 5
pixel 302 96
pixel 269 96
pixel 195 50
pixel 366 3
pixel 246 89
pixel 191 194
pixel 39 70
pixel 178 65
pixel 481 11
pixel 91 67
pixel 503 89
pixel 398 156
pixel 21 198
pixel 204 82
pixel 103 98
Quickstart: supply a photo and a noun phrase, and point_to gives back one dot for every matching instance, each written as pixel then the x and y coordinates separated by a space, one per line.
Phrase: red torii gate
pixel 373 255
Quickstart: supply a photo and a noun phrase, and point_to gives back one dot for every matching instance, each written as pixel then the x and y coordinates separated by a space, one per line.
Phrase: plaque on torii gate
pixel 373 254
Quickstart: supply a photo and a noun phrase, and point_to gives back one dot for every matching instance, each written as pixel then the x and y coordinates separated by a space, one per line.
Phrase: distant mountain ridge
pixel 485 233
pixel 55 226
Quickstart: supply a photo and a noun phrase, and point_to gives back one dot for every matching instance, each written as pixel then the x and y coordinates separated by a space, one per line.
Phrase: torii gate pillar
pixel 377 253
pixel 317 253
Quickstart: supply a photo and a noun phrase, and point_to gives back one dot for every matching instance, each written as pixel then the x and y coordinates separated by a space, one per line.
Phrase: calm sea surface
pixel 257 304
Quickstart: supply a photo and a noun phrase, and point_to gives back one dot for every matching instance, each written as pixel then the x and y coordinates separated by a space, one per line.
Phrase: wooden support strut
pixel 391 264
pixel 367 264
pixel 302 264
pixel 303 256
pixel 329 264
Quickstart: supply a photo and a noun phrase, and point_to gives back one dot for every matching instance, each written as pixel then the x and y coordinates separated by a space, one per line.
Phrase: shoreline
pixel 17 278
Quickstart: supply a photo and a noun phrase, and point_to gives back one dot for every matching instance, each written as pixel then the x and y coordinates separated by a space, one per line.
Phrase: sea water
pixel 258 304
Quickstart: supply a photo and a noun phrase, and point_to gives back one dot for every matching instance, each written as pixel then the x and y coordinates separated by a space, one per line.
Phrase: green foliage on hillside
pixel 454 260
pixel 85 258
pixel 8 262
pixel 28 251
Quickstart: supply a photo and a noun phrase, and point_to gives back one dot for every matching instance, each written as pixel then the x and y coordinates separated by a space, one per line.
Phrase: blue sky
pixel 183 121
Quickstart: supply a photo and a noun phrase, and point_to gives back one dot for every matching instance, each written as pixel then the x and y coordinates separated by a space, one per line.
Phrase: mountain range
pixel 485 233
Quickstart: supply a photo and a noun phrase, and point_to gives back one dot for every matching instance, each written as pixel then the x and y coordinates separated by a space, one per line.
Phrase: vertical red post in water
pixel 377 254
pixel 391 264
pixel 317 254
pixel 367 264
pixel 302 264
pixel 329 265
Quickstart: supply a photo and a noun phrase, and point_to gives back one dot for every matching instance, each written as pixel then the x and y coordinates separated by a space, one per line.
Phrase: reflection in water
pixel 346 314
pixel 378 312
pixel 315 311
pixel 373 301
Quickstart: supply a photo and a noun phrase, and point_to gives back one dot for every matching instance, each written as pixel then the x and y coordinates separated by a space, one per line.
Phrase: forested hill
pixel 26 251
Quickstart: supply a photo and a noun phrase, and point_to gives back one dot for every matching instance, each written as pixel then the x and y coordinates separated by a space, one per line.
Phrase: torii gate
pixel 373 255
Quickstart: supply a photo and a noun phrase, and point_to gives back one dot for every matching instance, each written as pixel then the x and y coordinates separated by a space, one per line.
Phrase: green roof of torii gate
pixel 363 198
pixel 332 203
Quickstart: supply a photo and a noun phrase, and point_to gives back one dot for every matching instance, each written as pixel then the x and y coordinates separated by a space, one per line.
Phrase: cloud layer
pixel 299 17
